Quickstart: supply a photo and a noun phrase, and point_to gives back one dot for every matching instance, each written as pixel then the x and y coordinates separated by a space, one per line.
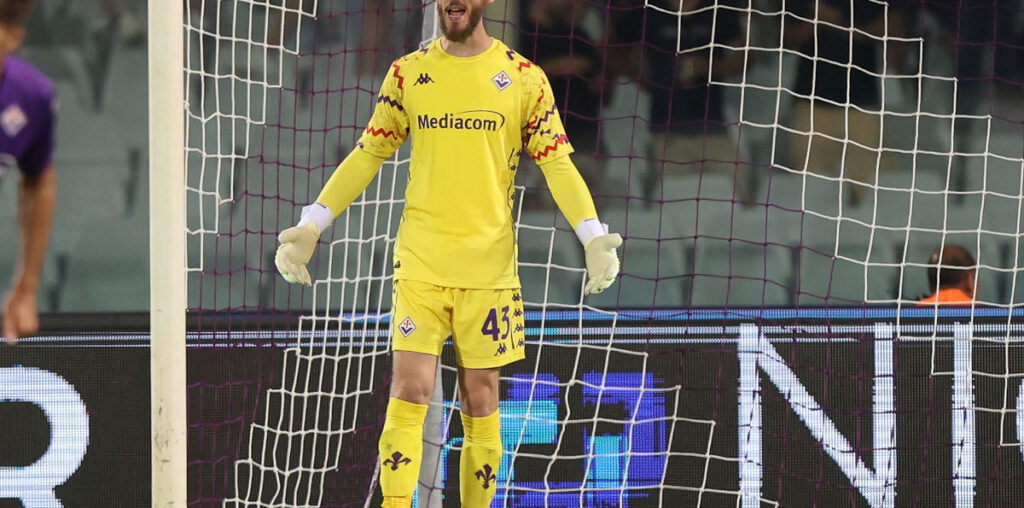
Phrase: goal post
pixel 167 253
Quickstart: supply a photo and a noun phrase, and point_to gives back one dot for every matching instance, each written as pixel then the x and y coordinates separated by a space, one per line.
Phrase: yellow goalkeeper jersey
pixel 468 118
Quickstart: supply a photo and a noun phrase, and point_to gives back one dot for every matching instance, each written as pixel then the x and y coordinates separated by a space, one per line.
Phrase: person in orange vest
pixel 955 277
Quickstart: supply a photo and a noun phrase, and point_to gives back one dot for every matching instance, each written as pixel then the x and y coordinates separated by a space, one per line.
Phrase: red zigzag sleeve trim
pixel 396 68
pixel 559 139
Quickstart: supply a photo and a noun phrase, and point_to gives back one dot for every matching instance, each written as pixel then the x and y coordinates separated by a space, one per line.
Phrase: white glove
pixel 297 245
pixel 602 262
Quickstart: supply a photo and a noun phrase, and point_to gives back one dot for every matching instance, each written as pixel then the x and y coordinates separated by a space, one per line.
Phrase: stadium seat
pixel 738 274
pixel 697 205
pixel 747 260
pixel 1013 281
pixel 234 271
pixel 108 269
pixel 710 185
pixel 905 198
pixel 797 190
pixel 125 99
pixel 845 263
pixel 8 231
pixel 106 140
pixel 994 193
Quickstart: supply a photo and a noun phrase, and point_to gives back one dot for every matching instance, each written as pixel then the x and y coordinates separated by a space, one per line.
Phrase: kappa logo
pixel 501 350
pixel 424 79
pixel 501 80
pixel 12 120
pixel 407 326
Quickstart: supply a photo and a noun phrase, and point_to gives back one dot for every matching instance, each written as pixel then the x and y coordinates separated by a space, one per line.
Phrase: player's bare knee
pixel 411 390
pixel 413 376
pixel 417 387
pixel 478 391
pixel 478 403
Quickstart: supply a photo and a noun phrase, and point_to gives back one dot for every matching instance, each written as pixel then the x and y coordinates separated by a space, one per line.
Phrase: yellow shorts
pixel 487 325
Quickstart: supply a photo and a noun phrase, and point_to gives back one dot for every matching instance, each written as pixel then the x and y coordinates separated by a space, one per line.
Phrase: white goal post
pixel 167 253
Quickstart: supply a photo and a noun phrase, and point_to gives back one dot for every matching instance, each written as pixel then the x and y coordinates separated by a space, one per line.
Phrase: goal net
pixel 781 173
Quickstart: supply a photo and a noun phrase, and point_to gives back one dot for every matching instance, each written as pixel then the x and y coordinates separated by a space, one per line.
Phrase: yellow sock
pixel 397 502
pixel 481 457
pixel 401 449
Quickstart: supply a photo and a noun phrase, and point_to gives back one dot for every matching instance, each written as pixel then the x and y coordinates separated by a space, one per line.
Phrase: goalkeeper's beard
pixel 473 16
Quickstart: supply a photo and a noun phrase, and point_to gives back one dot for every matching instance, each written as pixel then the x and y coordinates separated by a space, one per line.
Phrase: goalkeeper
pixel 470 105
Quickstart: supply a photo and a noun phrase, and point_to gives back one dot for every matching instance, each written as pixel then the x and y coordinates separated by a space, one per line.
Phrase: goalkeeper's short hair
pixel 955 265
pixel 15 12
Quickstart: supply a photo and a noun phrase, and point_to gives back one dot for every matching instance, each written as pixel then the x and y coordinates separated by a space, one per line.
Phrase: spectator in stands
pixel 952 273
pixel 387 28
pixel 688 126
pixel 126 17
pixel 27 121
pixel 839 93
pixel 983 41
pixel 568 55
pixel 624 39
pixel 984 38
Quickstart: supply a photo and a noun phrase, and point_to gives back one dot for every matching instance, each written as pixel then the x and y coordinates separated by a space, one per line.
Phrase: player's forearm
pixel 569 190
pixel 37 200
pixel 348 182
pixel 573 198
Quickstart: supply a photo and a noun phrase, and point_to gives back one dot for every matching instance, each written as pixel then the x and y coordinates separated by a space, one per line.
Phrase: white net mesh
pixel 640 406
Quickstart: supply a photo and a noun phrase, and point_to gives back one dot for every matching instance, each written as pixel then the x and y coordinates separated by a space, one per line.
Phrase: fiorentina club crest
pixel 501 80
pixel 396 461
pixel 486 475
pixel 12 120
pixel 406 327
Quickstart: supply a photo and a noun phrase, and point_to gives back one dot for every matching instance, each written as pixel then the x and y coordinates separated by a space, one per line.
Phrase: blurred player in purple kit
pixel 27 123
